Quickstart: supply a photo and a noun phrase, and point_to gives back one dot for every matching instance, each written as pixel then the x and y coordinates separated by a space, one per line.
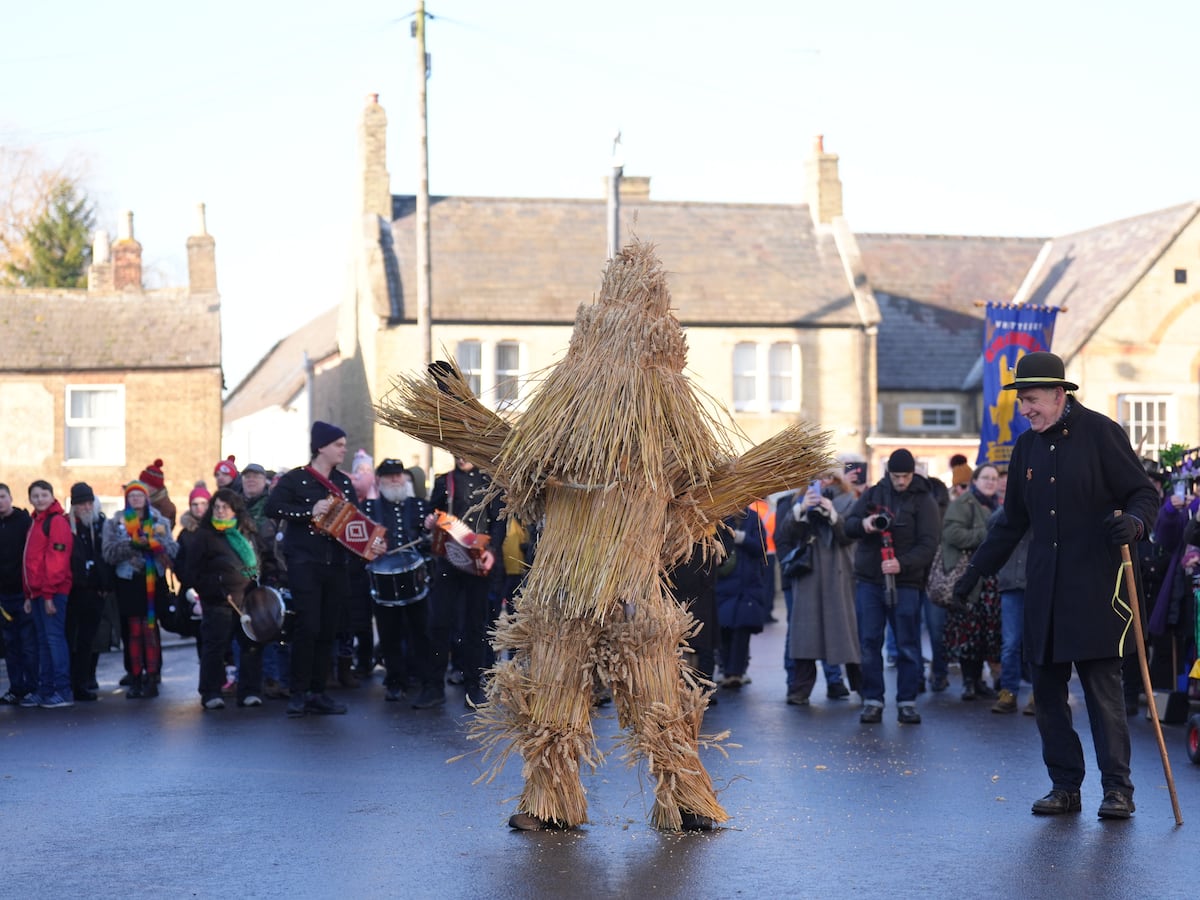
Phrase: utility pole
pixel 614 198
pixel 424 264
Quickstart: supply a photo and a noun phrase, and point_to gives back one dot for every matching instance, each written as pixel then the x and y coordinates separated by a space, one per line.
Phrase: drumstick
pixel 404 546
pixel 242 615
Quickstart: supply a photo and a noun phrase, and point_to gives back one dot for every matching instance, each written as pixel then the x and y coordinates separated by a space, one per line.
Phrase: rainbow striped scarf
pixel 141 535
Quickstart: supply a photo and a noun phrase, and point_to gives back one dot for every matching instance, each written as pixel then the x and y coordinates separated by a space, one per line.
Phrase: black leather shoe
pixel 1058 802
pixel 296 707
pixel 908 715
pixel 968 690
pixel 695 822
pixel 1115 805
pixel 871 715
pixel 523 821
pixel 324 705
pixel 86 696
pixel 430 697
pixel 837 691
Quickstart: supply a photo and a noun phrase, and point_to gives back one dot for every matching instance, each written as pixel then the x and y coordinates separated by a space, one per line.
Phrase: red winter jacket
pixel 48 556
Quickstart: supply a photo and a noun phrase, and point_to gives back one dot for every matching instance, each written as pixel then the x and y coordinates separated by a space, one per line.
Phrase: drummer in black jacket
pixel 400 580
pixel 316 566
pixel 223 564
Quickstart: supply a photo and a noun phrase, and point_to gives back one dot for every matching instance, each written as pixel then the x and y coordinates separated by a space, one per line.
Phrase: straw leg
pixel 553 693
pixel 663 708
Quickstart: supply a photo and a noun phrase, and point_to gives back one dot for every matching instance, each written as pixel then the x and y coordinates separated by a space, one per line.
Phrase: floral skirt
pixel 974 633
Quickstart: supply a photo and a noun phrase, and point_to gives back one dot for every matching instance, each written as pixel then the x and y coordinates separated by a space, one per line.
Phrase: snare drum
pixel 262 614
pixel 399 578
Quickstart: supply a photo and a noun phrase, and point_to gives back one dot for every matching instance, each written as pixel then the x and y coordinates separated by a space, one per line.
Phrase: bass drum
pixel 398 578
pixel 262 614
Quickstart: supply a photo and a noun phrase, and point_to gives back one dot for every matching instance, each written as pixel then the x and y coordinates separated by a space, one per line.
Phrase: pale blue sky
pixel 1034 117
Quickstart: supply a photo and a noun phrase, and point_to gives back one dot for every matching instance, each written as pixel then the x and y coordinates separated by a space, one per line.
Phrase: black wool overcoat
pixel 1063 483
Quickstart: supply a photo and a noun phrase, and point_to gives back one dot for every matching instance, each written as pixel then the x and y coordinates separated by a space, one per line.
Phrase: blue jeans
pixel 935 624
pixel 20 643
pixel 54 658
pixel 1012 622
pixel 873 618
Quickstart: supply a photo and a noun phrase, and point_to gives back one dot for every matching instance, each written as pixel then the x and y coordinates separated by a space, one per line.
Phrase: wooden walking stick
pixel 1131 586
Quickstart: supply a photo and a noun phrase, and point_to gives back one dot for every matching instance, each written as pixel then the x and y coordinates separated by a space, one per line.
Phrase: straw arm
pixel 785 461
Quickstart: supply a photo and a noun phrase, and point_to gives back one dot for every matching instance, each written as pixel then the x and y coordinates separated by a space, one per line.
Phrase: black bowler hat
pixel 1040 370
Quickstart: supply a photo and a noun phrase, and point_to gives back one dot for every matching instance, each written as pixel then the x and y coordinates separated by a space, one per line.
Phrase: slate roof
pixel 536 260
pixel 75 330
pixel 279 376
pixel 1091 271
pixel 926 286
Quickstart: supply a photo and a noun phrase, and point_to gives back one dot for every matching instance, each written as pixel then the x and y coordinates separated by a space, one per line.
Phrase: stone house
pixel 779 320
pixel 99 382
pixel 788 313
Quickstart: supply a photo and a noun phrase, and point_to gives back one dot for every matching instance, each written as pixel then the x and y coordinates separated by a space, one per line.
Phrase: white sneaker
pixel 250 700
pixel 214 703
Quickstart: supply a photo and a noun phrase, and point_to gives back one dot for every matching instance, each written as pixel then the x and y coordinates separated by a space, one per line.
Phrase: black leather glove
pixel 965 584
pixel 1121 529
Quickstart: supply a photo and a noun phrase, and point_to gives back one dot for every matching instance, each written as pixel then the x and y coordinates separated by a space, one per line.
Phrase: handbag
pixel 940 586
pixel 798 562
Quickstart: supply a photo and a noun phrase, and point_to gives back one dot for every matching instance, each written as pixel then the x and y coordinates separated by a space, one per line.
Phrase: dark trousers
pixel 84 610
pixel 20 645
pixel 219 625
pixel 704 643
pixel 404 642
pixel 459 605
pixel 1061 748
pixel 319 594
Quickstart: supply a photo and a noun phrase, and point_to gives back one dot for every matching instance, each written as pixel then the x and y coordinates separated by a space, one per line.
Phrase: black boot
pixel 135 688
pixel 149 685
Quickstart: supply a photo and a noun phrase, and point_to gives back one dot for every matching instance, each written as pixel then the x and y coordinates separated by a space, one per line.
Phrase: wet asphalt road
pixel 159 798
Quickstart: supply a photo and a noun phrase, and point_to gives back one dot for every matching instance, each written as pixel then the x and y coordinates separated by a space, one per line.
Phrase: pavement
pixel 160 798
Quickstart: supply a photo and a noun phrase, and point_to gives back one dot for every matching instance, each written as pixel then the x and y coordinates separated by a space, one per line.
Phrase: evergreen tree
pixel 59 242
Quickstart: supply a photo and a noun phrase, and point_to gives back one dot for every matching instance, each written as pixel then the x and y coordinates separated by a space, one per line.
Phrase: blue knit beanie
pixel 323 434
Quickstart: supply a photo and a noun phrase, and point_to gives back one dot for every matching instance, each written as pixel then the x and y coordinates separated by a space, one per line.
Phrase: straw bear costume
pixel 619 455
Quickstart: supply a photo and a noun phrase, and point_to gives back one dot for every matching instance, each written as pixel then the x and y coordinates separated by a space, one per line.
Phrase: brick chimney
pixel 376 186
pixel 126 256
pixel 824 187
pixel 100 273
pixel 202 257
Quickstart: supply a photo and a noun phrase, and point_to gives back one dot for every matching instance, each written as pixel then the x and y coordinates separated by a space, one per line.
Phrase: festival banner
pixel 1010 331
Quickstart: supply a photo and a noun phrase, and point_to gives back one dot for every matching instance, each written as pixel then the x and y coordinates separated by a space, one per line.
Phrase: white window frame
pixel 505 376
pixel 1135 428
pixel 117 457
pixel 746 364
pixel 923 407
pixel 788 378
pixel 473 373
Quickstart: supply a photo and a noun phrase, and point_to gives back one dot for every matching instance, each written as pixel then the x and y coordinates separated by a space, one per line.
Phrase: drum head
pixel 264 608
pixel 395 562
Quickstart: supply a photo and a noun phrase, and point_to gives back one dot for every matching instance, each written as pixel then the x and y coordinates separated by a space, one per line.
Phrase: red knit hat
pixel 152 476
pixel 227 467
pixel 200 490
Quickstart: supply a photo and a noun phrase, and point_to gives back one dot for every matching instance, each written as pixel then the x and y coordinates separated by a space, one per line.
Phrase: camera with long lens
pixel 881 521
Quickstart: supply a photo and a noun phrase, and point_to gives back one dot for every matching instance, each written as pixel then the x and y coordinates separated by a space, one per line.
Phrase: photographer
pixel 898 526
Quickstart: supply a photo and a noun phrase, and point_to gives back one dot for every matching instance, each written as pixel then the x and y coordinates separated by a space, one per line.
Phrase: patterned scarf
pixel 240 544
pixel 141 535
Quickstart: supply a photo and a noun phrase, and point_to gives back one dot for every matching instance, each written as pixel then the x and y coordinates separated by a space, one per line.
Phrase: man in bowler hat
pixel 1076 482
